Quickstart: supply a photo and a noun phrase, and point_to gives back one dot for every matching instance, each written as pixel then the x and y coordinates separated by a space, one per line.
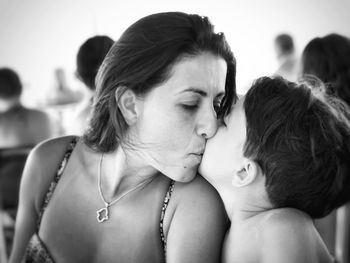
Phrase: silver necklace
pixel 103 213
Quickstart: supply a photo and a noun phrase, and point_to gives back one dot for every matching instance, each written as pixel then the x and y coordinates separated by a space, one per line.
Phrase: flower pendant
pixel 102 214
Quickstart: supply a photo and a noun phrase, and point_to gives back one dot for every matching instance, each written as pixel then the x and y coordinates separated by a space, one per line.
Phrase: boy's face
pixel 223 156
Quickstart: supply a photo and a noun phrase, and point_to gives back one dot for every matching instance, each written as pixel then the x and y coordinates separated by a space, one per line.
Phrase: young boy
pixel 281 158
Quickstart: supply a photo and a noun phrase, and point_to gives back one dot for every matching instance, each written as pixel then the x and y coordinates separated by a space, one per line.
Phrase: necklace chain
pixel 102 214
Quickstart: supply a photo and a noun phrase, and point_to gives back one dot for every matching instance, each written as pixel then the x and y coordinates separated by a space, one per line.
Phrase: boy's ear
pixel 247 174
pixel 126 101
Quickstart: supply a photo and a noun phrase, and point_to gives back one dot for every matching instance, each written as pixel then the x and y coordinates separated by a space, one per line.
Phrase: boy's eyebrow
pixel 200 92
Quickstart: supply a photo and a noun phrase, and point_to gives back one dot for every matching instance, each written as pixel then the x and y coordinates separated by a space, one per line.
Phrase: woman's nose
pixel 207 124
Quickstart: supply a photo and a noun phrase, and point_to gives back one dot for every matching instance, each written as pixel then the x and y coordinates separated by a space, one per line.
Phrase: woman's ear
pixel 126 101
pixel 247 174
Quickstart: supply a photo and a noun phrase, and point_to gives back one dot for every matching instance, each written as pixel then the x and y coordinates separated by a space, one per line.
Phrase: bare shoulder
pixel 42 164
pixel 201 194
pixel 199 202
pixel 50 150
pixel 289 235
pixel 288 223
pixel 198 187
pixel 197 223
pixel 285 218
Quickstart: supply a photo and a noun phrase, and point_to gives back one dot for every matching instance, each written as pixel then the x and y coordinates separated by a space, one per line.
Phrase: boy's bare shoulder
pixel 285 218
pixel 286 223
pixel 289 235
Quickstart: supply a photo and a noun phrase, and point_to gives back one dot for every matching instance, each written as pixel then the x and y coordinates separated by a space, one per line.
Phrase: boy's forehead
pixel 239 105
pixel 237 114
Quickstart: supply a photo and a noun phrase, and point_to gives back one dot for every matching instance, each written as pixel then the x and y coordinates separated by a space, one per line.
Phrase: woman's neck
pixel 121 171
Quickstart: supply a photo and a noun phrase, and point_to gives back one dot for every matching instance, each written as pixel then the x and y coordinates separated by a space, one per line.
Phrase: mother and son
pixel 166 105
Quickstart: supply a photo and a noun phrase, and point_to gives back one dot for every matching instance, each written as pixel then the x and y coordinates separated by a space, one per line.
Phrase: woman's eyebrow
pixel 200 92
pixel 195 90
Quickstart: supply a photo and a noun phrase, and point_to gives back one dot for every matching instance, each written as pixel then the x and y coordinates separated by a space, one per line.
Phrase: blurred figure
pixel 328 58
pixel 287 60
pixel 89 58
pixel 19 125
pixel 62 94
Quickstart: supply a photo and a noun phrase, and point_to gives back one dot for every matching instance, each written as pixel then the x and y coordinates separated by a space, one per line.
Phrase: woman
pixel 128 191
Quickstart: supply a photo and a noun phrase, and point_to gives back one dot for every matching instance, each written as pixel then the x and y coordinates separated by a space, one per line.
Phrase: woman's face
pixel 223 156
pixel 179 115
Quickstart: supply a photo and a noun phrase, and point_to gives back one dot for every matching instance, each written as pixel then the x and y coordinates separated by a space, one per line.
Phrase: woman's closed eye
pixel 190 106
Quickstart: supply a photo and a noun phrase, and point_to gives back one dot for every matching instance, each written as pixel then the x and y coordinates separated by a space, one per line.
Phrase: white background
pixel 37 36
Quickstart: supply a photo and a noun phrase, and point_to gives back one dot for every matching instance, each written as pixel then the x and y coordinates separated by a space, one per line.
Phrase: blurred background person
pixel 21 128
pixel 19 125
pixel 89 58
pixel 288 65
pixel 328 58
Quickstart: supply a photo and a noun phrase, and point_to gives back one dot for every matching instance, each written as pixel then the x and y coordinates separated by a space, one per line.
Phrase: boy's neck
pixel 246 212
pixel 240 208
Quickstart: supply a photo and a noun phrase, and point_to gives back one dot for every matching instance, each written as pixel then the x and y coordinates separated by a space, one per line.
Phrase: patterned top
pixel 37 252
pixel 164 207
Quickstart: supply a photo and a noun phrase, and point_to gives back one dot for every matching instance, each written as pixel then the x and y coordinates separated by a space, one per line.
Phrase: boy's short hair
pixel 301 140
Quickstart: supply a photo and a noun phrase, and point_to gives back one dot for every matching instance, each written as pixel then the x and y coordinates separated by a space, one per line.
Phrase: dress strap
pixel 55 180
pixel 164 207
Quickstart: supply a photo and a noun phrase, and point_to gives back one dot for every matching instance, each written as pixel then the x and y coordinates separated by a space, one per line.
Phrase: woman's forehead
pixel 204 72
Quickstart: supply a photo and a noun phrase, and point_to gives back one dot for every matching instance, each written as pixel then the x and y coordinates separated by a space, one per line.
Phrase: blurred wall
pixel 37 36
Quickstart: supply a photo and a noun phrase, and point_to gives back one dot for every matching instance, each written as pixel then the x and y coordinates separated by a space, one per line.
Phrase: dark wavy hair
pixel 142 59
pixel 328 58
pixel 89 58
pixel 301 140
pixel 10 84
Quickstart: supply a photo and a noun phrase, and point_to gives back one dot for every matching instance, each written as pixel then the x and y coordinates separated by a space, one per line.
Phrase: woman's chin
pixel 182 175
